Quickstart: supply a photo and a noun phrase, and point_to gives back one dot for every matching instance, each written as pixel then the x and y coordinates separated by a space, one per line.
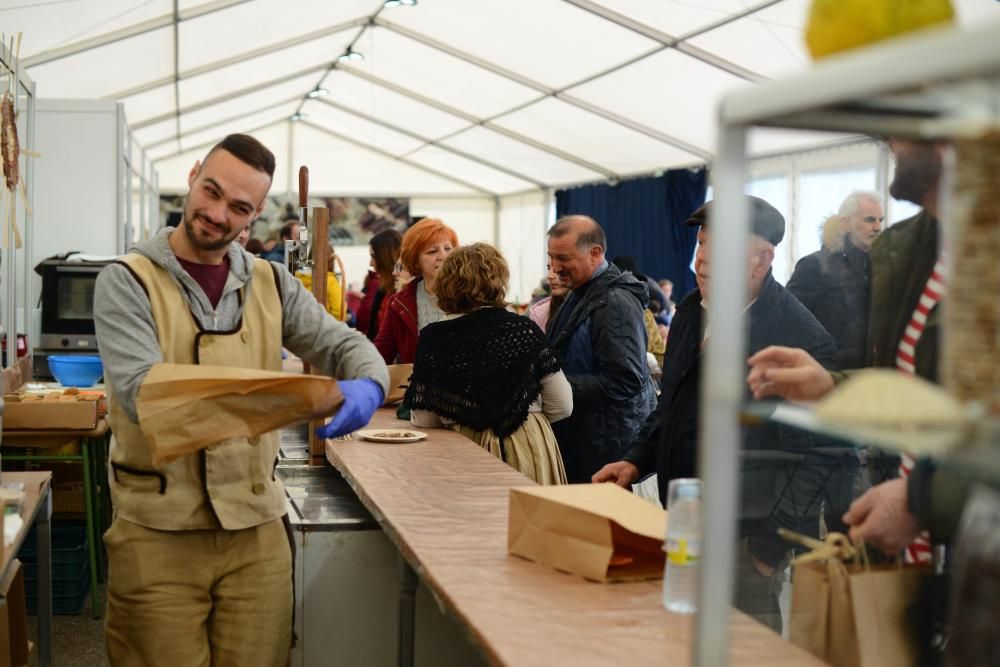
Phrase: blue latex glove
pixel 361 399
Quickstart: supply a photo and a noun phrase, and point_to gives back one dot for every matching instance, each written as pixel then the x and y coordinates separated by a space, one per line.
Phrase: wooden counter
pixel 443 502
pixel 36 508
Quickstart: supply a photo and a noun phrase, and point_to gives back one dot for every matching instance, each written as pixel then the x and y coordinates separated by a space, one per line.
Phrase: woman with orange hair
pixel 488 373
pixel 425 245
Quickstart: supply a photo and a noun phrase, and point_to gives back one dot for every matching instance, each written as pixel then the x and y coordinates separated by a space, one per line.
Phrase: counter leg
pixel 407 612
pixel 93 534
pixel 43 547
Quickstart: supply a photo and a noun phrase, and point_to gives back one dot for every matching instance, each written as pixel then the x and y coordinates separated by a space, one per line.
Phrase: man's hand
pixel 361 399
pixel 621 473
pixel 787 372
pixel 880 517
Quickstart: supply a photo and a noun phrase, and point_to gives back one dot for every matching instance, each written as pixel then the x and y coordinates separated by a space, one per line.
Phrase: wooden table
pixel 36 508
pixel 444 502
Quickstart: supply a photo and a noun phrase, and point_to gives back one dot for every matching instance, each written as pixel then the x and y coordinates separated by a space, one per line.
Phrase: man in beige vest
pixel 200 563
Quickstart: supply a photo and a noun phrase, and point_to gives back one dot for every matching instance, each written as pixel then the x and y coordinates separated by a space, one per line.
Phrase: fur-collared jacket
pixel 834 284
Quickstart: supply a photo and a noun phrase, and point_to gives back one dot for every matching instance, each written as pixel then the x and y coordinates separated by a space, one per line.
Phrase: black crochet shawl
pixel 482 370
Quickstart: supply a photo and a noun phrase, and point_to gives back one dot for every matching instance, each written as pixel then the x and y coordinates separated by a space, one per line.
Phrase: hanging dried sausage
pixel 8 142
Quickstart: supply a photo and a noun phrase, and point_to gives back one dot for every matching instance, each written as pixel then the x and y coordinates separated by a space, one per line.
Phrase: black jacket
pixel 668 442
pixel 600 342
pixel 833 283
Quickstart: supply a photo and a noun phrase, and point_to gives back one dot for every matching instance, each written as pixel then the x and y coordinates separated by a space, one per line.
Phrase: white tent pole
pixel 291 171
pixel 496 222
pixel 177 66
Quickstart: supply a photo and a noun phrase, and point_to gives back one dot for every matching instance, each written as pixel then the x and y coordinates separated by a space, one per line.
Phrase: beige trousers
pixel 198 597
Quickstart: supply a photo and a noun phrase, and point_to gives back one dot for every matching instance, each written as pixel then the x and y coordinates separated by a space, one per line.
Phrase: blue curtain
pixel 644 218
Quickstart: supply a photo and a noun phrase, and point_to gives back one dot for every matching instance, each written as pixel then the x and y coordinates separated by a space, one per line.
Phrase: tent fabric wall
pixel 524 220
pixel 644 218
pixel 472 219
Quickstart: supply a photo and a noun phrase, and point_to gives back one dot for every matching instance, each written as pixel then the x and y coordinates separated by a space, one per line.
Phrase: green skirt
pixel 532 449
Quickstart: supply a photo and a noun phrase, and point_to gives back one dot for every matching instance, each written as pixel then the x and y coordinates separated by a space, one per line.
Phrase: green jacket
pixel 902 260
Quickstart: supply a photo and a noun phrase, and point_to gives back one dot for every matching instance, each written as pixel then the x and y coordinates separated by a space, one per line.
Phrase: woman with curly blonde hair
pixel 489 373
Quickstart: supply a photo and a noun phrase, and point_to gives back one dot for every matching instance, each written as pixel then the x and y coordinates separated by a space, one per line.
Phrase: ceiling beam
pixel 242 57
pixel 429 142
pixel 223 121
pixel 732 18
pixel 475 121
pixel 207 144
pixel 462 55
pixel 679 43
pixel 128 32
pixel 227 97
pixel 543 89
pixel 411 163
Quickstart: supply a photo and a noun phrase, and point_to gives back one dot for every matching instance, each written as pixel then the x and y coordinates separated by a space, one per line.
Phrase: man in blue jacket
pixel 600 339
pixel 782 475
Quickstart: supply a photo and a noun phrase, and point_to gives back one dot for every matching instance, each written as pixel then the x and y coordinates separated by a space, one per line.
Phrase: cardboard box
pixel 68 498
pixel 13 618
pixel 599 531
pixel 76 412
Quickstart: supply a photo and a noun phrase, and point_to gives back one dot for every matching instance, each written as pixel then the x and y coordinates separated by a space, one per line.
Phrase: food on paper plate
pixel 394 434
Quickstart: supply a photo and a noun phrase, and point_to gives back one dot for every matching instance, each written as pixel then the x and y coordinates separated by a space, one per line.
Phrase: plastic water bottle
pixel 683 546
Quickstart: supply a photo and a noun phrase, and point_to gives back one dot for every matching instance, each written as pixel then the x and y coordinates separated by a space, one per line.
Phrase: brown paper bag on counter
pixel 599 531
pixel 185 407
pixel 854 615
pixel 399 380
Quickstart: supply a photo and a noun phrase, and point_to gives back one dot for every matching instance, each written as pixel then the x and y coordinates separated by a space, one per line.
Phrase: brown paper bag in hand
pixel 399 379
pixel 599 531
pixel 854 615
pixel 183 407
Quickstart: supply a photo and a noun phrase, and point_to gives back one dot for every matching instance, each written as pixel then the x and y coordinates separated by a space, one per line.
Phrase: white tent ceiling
pixel 452 97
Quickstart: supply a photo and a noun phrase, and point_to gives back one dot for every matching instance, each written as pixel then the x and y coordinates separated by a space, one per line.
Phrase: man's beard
pixel 916 175
pixel 202 244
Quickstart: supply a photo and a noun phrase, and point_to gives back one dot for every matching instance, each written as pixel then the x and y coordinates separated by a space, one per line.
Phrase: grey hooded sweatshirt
pixel 127 338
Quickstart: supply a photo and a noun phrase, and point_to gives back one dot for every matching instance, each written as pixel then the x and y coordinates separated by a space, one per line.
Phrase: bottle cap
pixel 687 488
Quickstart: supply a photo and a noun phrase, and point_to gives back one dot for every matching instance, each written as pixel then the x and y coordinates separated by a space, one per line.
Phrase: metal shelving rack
pixel 931 85
pixel 17 291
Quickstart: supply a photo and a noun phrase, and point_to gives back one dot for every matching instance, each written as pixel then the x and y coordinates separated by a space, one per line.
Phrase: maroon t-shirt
pixel 211 277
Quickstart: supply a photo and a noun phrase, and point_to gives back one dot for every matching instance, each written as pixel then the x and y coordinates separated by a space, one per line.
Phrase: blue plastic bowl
pixel 76 370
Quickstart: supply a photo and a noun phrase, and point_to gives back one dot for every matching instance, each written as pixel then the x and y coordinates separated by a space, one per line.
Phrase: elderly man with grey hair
pixel 833 282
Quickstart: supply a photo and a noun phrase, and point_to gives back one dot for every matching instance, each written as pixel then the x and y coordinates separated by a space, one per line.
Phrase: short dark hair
pixel 248 150
pixel 593 235
pixel 286 229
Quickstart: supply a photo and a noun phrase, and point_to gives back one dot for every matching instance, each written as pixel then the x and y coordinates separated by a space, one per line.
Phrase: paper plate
pixel 392 435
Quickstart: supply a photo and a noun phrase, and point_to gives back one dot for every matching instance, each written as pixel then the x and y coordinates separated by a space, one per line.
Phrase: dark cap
pixel 767 222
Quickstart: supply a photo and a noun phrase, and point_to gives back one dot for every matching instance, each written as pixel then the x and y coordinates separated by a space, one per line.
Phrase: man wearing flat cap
pixel 775 458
